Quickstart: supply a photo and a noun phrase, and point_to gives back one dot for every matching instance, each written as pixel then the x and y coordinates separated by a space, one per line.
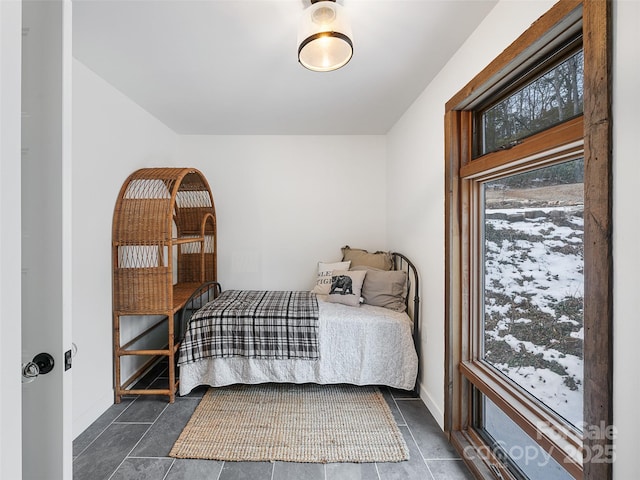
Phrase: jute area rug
pixel 292 423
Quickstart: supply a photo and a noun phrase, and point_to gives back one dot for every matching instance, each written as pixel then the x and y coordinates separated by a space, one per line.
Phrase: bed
pixel 367 341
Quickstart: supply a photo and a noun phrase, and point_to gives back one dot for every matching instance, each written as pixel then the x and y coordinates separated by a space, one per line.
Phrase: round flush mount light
pixel 324 37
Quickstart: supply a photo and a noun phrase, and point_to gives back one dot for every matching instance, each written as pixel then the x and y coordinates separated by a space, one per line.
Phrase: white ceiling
pixel 230 67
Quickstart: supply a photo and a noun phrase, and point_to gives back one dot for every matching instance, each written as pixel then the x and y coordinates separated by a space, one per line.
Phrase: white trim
pixel 10 239
pixel 432 406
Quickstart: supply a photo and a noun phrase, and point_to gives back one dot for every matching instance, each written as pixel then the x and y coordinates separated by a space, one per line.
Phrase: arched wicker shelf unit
pixel 163 249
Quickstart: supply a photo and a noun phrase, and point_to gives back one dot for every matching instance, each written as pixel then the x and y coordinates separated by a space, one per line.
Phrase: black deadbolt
pixel 44 361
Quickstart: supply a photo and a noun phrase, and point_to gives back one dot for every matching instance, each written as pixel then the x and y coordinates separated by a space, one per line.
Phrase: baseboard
pixel 427 399
pixel 86 418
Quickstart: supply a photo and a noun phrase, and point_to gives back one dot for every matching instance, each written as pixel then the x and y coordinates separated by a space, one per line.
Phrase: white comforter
pixel 362 345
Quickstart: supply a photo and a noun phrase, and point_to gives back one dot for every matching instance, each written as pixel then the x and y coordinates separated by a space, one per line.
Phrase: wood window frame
pixel 592 133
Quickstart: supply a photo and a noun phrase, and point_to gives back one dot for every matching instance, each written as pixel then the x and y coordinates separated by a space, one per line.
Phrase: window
pixel 550 98
pixel 528 255
pixel 532 225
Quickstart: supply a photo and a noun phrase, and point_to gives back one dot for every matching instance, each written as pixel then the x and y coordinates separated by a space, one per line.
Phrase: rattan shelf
pixel 163 249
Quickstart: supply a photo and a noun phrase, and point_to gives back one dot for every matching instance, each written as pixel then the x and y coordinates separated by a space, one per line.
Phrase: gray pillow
pixel 384 288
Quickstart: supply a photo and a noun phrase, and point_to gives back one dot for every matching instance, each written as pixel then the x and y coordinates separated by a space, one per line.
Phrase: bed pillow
pixel 359 257
pixel 384 288
pixel 323 281
pixel 346 287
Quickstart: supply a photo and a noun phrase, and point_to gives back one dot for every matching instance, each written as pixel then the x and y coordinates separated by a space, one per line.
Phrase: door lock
pixel 45 363
pixel 41 364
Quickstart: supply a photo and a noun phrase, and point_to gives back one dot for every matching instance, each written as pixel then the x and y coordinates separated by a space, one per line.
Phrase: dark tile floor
pixel 132 440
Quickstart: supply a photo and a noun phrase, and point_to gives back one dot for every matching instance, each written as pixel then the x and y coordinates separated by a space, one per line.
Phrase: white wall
pixel 626 231
pixel 112 137
pixel 416 144
pixel 283 203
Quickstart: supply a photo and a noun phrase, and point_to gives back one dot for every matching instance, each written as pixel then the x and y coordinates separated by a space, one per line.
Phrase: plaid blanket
pixel 256 324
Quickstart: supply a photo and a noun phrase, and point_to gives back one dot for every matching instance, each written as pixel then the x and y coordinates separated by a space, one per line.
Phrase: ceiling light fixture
pixel 324 37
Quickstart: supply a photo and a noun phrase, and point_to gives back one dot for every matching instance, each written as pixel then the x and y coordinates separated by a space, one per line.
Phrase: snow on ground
pixel 534 287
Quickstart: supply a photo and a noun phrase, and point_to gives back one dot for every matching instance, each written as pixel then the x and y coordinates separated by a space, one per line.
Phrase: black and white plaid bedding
pixel 255 324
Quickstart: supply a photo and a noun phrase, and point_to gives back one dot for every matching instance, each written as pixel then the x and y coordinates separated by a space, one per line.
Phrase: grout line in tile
pixel 103 430
pixel 421 454
pixel 157 377
pixel 429 470
pixel 138 442
pixel 147 457
pixel 127 455
pixel 126 408
pixel 417 446
pixel 437 459
pixel 169 470
pixel 377 471
pixel 220 472
pixel 400 412
pixel 132 423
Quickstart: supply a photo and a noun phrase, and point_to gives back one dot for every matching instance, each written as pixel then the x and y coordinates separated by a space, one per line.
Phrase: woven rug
pixel 292 423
